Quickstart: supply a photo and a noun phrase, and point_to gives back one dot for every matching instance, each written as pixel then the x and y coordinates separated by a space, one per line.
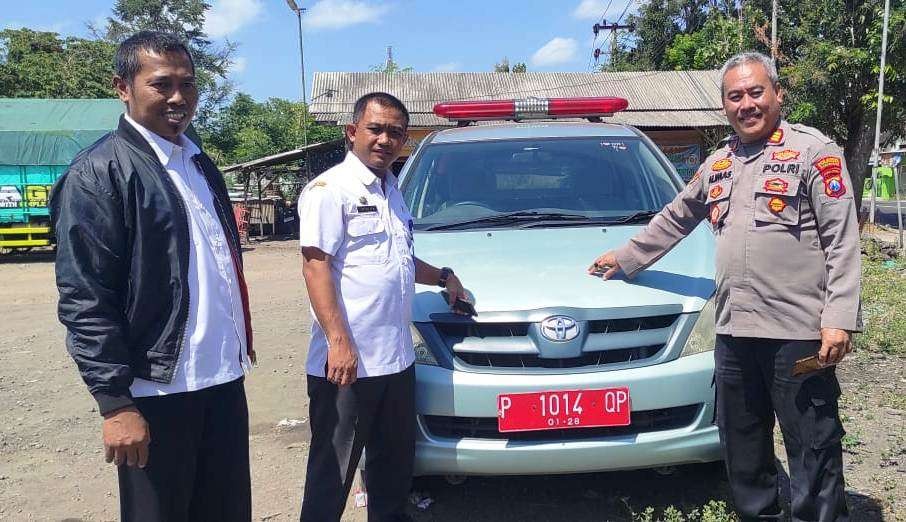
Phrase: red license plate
pixel 553 410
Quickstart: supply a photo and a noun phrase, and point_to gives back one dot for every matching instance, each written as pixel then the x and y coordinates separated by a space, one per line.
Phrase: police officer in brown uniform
pixel 779 200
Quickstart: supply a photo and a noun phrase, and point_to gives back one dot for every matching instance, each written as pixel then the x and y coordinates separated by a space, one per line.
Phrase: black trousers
pixel 754 380
pixel 198 463
pixel 375 413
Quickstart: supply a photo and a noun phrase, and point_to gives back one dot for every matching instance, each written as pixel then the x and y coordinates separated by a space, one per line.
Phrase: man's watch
pixel 445 274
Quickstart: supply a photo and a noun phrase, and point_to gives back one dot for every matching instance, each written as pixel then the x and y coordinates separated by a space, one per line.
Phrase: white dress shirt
pixel 367 232
pixel 214 344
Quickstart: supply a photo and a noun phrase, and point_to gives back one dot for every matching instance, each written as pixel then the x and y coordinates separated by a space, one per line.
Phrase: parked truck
pixel 38 140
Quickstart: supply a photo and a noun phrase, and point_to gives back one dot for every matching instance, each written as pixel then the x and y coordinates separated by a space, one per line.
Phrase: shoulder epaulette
pixel 811 131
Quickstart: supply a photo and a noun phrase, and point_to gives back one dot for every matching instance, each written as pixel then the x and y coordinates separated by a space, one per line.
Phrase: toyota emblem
pixel 559 328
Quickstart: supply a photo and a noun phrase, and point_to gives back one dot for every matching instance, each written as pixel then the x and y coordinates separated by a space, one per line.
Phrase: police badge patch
pixel 776 205
pixel 831 170
pixel 778 185
pixel 785 155
pixel 834 187
pixel 721 164
pixel 715 214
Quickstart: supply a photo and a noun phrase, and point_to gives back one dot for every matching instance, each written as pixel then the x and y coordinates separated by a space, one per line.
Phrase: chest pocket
pixel 777 200
pixel 718 202
pixel 368 243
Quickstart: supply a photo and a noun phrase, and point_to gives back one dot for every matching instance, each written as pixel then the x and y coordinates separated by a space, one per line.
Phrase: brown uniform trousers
pixel 787 264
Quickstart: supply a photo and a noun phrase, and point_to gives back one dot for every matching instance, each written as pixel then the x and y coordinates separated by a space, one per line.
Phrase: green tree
pixel 184 18
pixel 709 47
pixel 390 66
pixel 503 66
pixel 246 130
pixel 829 63
pixel 42 65
pixel 656 25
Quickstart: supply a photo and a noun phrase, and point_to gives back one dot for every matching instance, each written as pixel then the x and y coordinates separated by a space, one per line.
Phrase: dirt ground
pixel 52 468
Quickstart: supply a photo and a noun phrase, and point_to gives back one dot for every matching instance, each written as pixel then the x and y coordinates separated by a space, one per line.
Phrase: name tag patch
pixel 362 209
pixel 720 176
pixel 781 168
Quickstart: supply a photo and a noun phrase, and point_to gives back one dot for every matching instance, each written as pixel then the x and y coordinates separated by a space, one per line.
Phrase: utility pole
pixel 298 10
pixel 774 31
pixel 613 37
pixel 389 58
pixel 741 22
pixel 877 148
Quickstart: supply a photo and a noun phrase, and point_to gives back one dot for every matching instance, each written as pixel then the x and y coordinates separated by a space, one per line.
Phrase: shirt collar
pixel 163 148
pixel 364 174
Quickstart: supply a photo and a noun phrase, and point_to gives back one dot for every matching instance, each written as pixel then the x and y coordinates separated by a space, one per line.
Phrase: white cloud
pixel 239 65
pixel 228 16
pixel 556 52
pixel 336 14
pixel 448 67
pixel 590 9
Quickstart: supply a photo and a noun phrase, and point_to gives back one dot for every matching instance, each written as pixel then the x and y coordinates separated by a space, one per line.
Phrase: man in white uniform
pixel 359 267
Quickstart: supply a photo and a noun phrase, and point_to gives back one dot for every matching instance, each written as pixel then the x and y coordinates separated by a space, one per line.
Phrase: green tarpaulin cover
pixel 52 132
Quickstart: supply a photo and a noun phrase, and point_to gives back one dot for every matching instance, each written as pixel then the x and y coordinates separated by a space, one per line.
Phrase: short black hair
pixel 126 62
pixel 381 98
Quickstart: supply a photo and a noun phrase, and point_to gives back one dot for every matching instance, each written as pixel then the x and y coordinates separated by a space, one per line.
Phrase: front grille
pixel 520 345
pixel 498 360
pixel 633 324
pixel 461 330
pixel 486 427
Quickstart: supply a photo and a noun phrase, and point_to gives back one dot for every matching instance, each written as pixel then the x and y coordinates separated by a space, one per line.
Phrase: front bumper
pixel 454 393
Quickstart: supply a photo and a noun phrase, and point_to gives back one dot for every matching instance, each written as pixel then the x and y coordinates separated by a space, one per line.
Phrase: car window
pixel 594 177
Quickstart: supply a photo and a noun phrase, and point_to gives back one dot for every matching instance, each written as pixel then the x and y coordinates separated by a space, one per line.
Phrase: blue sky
pixel 353 35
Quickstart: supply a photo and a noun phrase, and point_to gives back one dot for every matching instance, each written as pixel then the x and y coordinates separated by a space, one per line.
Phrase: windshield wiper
pixel 637 217
pixel 522 216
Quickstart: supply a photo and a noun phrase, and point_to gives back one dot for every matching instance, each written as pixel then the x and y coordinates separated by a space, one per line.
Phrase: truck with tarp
pixel 38 140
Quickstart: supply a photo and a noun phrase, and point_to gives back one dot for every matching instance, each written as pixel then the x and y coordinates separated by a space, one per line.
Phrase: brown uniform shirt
pixel 783 215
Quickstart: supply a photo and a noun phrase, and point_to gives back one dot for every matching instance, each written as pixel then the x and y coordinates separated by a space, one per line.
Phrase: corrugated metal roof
pixel 656 98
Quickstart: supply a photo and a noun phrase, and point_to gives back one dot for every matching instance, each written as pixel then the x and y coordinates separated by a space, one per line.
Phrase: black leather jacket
pixel 122 263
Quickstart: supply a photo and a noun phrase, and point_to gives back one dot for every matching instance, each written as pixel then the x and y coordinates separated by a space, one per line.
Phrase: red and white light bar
pixel 531 108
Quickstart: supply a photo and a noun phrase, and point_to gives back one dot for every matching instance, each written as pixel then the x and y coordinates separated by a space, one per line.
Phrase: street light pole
pixel 298 10
pixel 877 147
pixel 774 31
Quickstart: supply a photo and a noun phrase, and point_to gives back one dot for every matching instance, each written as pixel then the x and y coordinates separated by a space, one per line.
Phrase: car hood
pixel 532 269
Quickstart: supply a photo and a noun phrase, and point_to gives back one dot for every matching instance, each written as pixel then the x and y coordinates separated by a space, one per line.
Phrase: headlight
pixel 423 353
pixel 702 337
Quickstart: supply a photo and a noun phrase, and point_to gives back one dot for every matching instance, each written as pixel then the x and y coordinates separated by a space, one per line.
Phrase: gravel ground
pixel 52 468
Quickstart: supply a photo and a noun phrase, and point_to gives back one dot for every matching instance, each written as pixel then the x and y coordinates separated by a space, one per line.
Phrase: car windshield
pixel 536 182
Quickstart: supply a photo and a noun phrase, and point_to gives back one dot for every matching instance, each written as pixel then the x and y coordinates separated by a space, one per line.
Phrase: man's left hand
pixel 835 344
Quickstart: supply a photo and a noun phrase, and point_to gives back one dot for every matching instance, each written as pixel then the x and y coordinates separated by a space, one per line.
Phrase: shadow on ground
pixel 35 256
pixel 616 496
pixel 579 498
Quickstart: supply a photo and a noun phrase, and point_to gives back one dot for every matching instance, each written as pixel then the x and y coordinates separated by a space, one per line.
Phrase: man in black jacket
pixel 152 294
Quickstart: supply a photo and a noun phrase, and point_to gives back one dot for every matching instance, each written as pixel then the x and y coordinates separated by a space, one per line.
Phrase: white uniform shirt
pixel 214 345
pixel 368 234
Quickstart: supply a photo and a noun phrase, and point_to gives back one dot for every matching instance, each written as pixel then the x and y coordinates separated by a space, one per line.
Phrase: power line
pixel 626 9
